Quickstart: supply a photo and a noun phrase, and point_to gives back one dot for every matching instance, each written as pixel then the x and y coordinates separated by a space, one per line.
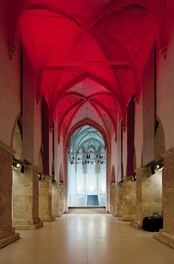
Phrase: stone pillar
pixel 108 198
pixel 119 199
pixel 61 199
pixel 140 175
pixel 7 232
pixel 26 200
pixel 166 235
pixel 112 198
pixel 145 196
pixel 45 199
pixel 55 195
pixel 129 199
pixel 58 201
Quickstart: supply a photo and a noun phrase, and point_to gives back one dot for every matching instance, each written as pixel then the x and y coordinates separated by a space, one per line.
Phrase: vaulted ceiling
pixel 86 139
pixel 88 56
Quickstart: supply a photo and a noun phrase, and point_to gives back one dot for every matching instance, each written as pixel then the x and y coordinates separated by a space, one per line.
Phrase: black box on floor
pixel 152 224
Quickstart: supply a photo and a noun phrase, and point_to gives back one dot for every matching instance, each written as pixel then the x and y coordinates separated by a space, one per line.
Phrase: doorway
pixel 86 160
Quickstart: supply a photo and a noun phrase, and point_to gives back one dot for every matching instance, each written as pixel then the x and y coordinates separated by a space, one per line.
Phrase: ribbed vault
pixel 88 56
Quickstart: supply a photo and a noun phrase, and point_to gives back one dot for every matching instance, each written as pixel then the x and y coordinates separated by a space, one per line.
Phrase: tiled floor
pixel 86 238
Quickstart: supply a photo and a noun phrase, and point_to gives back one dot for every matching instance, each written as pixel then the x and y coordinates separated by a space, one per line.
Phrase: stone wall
pixel 7 232
pixel 112 198
pixel 119 199
pixel 129 199
pixel 148 195
pixel 58 199
pixel 166 235
pixel 26 199
pixel 45 199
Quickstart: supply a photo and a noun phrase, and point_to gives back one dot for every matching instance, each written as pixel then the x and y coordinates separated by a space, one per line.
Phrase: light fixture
pixel 88 157
pixel 157 166
pixel 16 163
pixel 134 177
pixel 39 176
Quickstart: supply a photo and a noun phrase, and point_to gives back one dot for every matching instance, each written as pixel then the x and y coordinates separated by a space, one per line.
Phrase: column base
pixel 165 238
pixel 48 219
pixel 136 225
pixel 27 225
pixel 59 214
pixel 114 214
pixel 9 239
pixel 126 218
pixel 117 215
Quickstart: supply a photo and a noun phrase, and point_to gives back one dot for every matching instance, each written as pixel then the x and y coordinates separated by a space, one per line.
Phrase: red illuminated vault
pixel 88 56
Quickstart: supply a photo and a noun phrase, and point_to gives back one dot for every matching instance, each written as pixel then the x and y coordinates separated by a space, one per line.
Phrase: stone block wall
pixel 119 199
pixel 7 231
pixel 148 195
pixel 26 199
pixel 112 199
pixel 45 199
pixel 129 199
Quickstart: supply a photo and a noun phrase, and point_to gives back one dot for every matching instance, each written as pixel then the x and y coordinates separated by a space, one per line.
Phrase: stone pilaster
pixel 112 198
pixel 58 199
pixel 141 175
pixel 7 232
pixel 61 199
pixel 45 200
pixel 119 199
pixel 26 200
pixel 129 199
pixel 55 195
pixel 146 193
pixel 166 235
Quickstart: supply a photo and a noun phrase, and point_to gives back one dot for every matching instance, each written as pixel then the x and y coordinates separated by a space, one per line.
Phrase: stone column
pixel 58 201
pixel 7 232
pixel 61 199
pixel 45 200
pixel 26 200
pixel 145 194
pixel 112 198
pixel 140 175
pixel 166 235
pixel 119 199
pixel 55 195
pixel 129 199
pixel 108 198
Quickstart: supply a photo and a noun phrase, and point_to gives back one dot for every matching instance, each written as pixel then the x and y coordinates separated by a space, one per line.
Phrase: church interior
pixel 86 112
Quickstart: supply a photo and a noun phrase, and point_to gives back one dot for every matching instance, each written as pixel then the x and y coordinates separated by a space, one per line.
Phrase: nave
pixel 86 236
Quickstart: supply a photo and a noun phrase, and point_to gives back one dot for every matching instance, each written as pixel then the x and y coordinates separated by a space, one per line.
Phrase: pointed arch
pixel 86 121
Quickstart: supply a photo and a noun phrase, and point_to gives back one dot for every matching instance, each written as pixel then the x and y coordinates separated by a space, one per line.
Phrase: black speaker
pixel 152 169
pixel 22 169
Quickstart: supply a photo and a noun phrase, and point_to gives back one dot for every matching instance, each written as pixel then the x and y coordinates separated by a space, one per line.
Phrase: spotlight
pixel 159 165
pixel 134 177
pixel 40 176
pixel 16 163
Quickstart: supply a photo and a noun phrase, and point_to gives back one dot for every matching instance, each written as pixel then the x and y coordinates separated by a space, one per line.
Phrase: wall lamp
pixel 157 166
pixel 39 176
pixel 17 164
pixel 134 177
